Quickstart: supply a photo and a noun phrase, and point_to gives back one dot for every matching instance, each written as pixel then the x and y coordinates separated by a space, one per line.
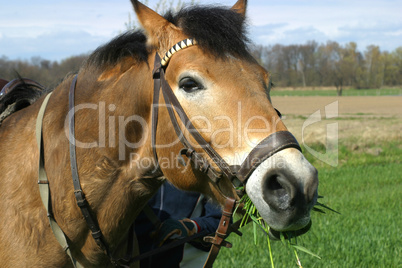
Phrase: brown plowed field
pixel 360 119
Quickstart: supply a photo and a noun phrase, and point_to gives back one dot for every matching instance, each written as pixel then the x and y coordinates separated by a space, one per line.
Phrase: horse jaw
pixel 284 190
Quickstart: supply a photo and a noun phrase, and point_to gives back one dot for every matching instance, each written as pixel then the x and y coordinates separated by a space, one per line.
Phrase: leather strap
pixel 222 232
pixel 173 102
pixel 173 105
pixel 82 203
pixel 79 194
pixel 272 144
pixel 43 183
pixel 155 113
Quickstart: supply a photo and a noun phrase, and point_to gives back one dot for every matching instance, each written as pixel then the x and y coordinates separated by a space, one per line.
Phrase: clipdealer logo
pixel 330 156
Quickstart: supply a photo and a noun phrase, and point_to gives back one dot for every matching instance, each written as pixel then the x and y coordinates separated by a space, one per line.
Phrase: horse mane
pixel 129 44
pixel 19 98
pixel 218 30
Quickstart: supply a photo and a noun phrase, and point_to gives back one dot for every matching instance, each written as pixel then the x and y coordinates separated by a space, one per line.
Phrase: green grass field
pixel 346 92
pixel 366 188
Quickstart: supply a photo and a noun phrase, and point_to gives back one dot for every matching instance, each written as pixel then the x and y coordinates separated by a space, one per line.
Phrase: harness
pixel 237 174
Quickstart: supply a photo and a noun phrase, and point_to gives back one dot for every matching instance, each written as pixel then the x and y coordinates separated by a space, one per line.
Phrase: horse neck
pixel 115 188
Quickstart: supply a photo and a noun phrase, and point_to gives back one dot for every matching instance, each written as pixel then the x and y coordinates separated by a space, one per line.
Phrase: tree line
pixel 46 72
pixel 331 64
pixel 306 65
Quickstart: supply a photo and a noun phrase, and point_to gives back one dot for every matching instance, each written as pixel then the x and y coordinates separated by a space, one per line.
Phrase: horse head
pixel 225 94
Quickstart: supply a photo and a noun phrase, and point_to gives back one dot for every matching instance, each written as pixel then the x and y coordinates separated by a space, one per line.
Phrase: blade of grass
pixel 251 213
pixel 319 210
pixel 255 232
pixel 305 250
pixel 297 258
pixel 266 229
pixel 324 206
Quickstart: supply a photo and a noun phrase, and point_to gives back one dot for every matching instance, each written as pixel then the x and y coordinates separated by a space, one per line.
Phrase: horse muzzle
pixel 284 190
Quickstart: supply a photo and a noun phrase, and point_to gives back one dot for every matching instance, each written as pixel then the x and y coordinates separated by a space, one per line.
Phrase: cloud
pixel 59 29
pixel 364 22
pixel 388 38
pixel 266 35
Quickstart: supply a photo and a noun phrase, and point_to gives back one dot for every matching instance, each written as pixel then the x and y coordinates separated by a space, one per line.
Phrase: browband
pixel 179 46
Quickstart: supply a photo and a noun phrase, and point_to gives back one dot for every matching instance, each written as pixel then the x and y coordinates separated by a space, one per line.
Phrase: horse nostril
pixel 279 192
pixel 275 187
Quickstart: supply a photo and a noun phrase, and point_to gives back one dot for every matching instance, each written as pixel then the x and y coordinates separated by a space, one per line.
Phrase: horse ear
pixel 240 7
pixel 154 24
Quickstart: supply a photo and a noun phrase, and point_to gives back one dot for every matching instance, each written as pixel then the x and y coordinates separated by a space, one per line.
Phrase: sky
pixel 57 29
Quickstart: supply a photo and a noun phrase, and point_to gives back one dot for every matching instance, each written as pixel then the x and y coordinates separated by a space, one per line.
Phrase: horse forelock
pixel 218 30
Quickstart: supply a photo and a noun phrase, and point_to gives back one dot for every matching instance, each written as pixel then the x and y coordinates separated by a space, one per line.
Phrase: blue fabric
pixel 171 203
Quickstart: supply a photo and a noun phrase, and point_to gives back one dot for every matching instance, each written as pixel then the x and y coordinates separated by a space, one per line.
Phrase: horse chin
pixel 276 235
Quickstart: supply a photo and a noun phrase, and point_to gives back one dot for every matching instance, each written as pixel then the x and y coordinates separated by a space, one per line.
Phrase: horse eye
pixel 189 85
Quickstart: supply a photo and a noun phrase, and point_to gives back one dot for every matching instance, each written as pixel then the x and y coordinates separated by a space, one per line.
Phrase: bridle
pixel 237 174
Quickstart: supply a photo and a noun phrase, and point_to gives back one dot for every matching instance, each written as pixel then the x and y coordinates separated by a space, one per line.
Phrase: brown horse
pixel 221 88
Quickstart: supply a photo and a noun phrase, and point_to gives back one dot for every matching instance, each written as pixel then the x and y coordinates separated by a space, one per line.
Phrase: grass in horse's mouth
pixel 288 238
